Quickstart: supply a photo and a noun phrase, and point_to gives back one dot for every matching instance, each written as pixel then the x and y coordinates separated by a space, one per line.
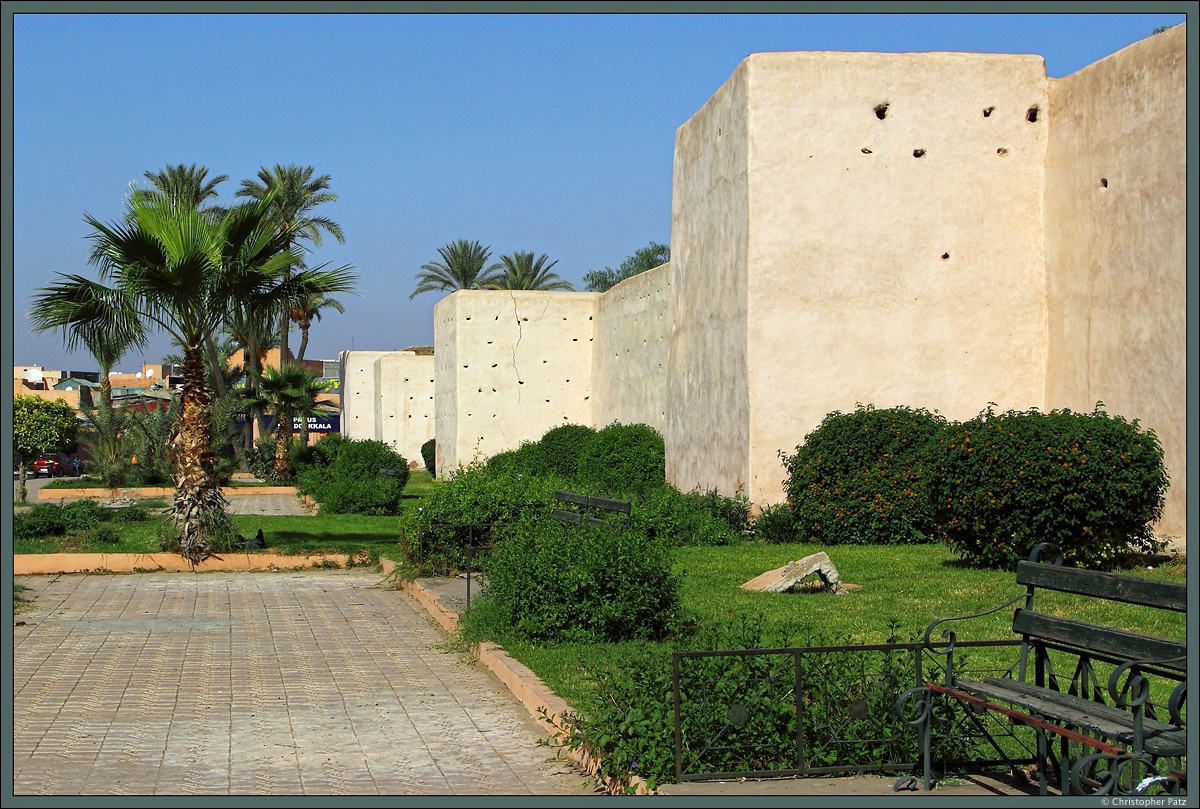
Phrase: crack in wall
pixel 516 345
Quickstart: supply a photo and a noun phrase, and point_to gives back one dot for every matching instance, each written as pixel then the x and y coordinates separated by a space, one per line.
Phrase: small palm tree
pixel 523 271
pixel 288 391
pixel 463 266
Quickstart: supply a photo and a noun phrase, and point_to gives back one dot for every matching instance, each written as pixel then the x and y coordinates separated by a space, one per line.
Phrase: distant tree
pixel 288 391
pixel 647 258
pixel 183 188
pixel 523 271
pixel 463 266
pixel 307 309
pixel 1160 29
pixel 293 192
pixel 40 425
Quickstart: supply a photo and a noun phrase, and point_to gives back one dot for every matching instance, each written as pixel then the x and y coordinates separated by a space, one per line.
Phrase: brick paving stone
pixel 313 683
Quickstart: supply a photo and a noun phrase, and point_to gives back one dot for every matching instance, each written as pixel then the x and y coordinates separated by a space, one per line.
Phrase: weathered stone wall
pixel 895 239
pixel 629 359
pixel 1116 246
pixel 510 366
pixel 388 396
pixel 708 410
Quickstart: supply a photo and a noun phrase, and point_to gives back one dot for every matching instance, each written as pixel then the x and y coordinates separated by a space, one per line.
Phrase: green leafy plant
pixel 43 520
pixel 561 447
pixel 679 519
pixel 568 583
pixel 524 460
pixel 82 515
pixel 355 477
pixel 429 455
pixel 858 478
pixel 775 524
pixel 1090 483
pixel 104 534
pixel 623 459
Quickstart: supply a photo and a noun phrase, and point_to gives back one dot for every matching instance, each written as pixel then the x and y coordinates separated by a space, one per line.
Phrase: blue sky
pixel 550 133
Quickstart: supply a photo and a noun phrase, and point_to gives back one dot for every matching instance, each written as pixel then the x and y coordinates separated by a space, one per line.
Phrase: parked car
pixel 53 465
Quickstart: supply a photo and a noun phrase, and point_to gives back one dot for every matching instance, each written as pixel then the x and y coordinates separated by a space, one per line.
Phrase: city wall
pixel 388 396
pixel 932 230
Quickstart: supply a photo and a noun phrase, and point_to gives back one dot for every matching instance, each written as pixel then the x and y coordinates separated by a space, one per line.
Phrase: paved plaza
pixel 313 683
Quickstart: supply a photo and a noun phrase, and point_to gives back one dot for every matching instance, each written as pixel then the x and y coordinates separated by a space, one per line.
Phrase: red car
pixel 53 465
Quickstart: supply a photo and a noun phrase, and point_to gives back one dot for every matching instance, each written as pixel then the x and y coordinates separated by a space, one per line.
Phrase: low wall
pixel 28 564
pixel 153 491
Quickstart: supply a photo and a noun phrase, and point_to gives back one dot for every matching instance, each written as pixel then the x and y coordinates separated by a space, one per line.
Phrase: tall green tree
pixel 646 258
pixel 40 425
pixel 182 272
pixel 292 193
pixel 523 271
pixel 464 265
pixel 183 187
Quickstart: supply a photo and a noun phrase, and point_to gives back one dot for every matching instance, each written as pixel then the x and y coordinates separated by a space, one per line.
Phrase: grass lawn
pixel 909 585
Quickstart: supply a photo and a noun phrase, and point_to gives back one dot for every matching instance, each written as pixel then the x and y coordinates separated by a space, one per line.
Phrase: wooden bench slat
pixel 571 497
pixel 621 506
pixel 1159 739
pixel 1117 643
pixel 1111 586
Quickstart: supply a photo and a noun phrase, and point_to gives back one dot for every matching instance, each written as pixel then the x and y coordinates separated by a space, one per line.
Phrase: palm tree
pixel 463 266
pixel 293 193
pixel 523 271
pixel 303 313
pixel 181 271
pixel 288 391
pixel 184 186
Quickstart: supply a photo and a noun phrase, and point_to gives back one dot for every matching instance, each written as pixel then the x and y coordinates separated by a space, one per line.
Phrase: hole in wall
pixel 519 382
pixel 880 112
pixel 918 152
pixel 1032 115
pixel 865 150
pixel 1104 182
pixel 945 256
pixel 987 111
pixel 1002 151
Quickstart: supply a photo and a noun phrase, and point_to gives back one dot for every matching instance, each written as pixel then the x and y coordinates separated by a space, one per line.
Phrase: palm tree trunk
pixel 105 388
pixel 283 444
pixel 199 505
pixel 22 491
pixel 303 339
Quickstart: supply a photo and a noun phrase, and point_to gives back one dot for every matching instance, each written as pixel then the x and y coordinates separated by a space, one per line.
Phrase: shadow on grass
pixel 321 536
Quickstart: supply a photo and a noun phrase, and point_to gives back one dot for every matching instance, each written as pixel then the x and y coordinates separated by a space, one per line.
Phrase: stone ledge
pixel 26 564
pixel 153 491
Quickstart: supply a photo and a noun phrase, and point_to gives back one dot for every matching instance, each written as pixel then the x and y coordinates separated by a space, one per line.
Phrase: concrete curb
pixel 27 564
pixel 546 707
pixel 154 491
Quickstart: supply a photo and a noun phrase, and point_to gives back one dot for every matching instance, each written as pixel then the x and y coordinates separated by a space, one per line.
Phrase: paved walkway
pixel 273 504
pixel 315 683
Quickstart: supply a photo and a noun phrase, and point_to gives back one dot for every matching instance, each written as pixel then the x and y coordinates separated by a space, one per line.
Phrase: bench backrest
pixel 589 506
pixel 1105 642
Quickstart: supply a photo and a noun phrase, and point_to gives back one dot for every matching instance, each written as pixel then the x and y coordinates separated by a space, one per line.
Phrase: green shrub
pixel 623 459
pixel 471 495
pixel 857 478
pixel 104 534
pixel 43 520
pixel 378 495
pixel 260 459
pixel 733 511
pixel 321 453
pixel 679 519
pixel 775 525
pixel 1090 483
pixel 524 460
pixel 429 456
pixel 561 448
pixel 552 582
pixel 354 477
pixel 81 515
pixel 129 514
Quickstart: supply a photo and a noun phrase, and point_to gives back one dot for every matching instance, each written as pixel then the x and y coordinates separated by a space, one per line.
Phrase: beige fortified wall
pixel 629 361
pixel 933 230
pixel 1116 196
pixel 388 396
pixel 509 366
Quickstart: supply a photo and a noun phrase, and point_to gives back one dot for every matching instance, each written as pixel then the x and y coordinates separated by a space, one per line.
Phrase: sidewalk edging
pixel 546 707
pixel 28 564
pixel 134 492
